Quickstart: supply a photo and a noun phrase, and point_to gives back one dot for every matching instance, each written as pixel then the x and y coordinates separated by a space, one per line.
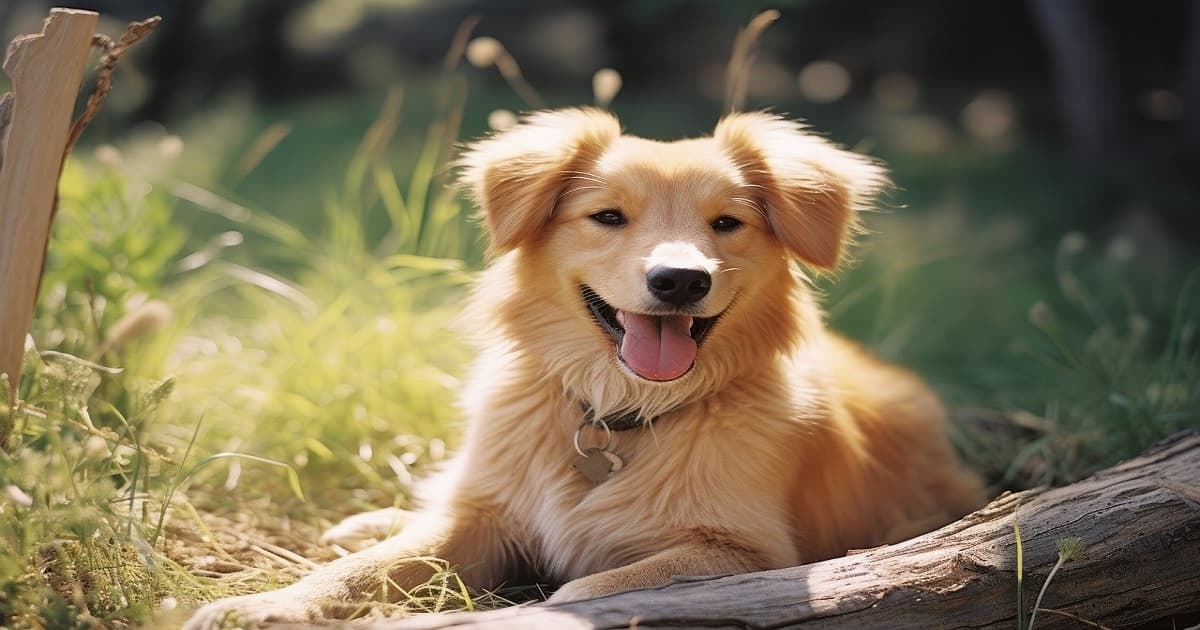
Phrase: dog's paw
pixel 360 531
pixel 251 611
pixel 583 588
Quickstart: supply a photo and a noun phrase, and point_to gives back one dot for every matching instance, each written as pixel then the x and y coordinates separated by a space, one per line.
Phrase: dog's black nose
pixel 678 286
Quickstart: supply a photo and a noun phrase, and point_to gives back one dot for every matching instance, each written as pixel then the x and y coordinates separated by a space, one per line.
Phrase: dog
pixel 656 394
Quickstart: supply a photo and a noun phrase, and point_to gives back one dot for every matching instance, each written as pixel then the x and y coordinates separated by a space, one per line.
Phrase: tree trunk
pixel 1139 524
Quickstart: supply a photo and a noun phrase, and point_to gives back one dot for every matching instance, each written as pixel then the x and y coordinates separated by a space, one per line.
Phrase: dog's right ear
pixel 517 175
pixel 811 190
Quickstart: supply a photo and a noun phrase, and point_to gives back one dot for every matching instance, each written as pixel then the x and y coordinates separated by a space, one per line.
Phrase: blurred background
pixel 1102 90
pixel 257 229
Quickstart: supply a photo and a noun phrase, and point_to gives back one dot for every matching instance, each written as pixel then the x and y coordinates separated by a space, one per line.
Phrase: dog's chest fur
pixel 694 472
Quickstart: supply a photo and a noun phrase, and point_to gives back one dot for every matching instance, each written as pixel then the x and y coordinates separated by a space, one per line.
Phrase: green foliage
pixel 346 367
pixel 114 238
pixel 1114 368
pixel 1073 357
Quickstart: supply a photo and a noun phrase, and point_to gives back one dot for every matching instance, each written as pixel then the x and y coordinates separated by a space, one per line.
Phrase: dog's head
pixel 662 261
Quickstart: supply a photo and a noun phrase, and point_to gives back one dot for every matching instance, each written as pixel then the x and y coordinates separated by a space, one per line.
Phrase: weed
pixel 1068 549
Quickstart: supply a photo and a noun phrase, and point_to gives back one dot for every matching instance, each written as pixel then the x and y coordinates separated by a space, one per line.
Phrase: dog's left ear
pixel 812 190
pixel 517 175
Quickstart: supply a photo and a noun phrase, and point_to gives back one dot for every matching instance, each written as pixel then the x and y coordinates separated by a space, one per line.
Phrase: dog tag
pixel 598 464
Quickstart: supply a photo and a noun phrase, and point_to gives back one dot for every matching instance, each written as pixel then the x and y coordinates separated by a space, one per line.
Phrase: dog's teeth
pixel 621 318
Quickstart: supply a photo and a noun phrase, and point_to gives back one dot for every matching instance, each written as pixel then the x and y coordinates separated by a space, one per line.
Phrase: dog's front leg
pixel 714 557
pixel 468 538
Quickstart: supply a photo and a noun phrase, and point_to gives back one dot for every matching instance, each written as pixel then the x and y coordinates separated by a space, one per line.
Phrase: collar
pixel 621 421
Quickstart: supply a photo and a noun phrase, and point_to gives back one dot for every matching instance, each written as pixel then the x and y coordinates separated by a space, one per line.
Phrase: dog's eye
pixel 609 217
pixel 726 224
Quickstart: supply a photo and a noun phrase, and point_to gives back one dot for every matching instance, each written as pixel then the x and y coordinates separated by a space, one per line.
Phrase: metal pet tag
pixel 598 464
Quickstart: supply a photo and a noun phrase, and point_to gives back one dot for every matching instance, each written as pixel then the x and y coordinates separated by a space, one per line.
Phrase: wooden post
pixel 46 71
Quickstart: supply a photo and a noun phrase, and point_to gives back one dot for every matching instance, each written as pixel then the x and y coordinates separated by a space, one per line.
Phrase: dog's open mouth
pixel 655 347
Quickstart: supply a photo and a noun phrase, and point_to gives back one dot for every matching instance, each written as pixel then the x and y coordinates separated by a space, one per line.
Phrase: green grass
pixel 219 375
pixel 1060 358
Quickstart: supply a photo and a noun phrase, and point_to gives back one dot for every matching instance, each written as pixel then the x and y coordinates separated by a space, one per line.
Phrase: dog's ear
pixel 517 175
pixel 811 190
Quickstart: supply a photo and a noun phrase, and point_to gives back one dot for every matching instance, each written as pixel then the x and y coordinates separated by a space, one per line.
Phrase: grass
pixel 226 363
pixel 1089 356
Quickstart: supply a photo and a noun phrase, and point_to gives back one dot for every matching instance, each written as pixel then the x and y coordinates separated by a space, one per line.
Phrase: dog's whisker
pixel 583 175
pixel 750 203
pixel 588 181
pixel 571 191
pixel 752 184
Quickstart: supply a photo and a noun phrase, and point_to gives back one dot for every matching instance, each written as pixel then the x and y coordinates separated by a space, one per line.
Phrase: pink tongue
pixel 657 348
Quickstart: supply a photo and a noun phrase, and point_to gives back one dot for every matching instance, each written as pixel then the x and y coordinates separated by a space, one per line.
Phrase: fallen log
pixel 1139 562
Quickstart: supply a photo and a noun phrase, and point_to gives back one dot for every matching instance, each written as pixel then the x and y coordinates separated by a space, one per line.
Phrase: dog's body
pixel 655 279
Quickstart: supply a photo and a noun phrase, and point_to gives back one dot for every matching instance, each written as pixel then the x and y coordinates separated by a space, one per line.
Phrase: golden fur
pixel 784 444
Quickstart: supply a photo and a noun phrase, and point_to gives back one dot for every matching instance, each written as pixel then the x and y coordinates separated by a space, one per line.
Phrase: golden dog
pixel 656 395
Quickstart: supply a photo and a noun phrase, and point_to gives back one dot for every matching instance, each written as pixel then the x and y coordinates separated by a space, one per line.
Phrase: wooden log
pixel 1139 524
pixel 46 71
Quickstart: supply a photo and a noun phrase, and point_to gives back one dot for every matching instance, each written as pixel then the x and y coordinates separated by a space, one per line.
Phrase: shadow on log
pixel 1139 523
